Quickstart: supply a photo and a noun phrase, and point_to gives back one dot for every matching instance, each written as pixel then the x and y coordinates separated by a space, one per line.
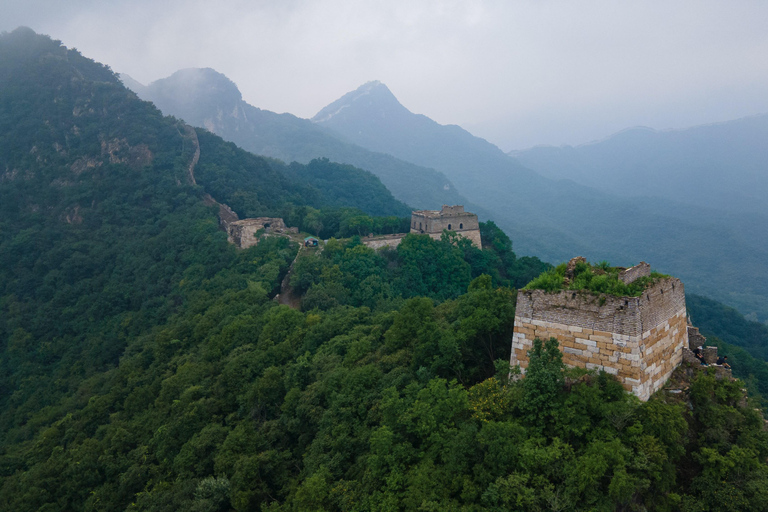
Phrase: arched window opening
pixel 449 227
pixel 461 226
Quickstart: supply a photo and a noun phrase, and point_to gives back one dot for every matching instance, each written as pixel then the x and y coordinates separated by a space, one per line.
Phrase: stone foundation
pixel 472 234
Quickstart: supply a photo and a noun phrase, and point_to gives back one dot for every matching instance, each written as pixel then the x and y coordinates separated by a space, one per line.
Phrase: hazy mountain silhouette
pixel 714 252
pixel 206 98
pixel 723 165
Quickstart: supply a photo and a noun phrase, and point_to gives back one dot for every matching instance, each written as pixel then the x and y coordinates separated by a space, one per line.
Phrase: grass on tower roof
pixel 596 278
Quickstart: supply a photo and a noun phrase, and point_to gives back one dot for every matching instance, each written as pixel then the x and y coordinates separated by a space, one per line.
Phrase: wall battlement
pixel 640 340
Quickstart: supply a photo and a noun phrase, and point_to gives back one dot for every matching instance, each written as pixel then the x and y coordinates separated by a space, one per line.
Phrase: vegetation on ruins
pixel 596 278
pixel 144 364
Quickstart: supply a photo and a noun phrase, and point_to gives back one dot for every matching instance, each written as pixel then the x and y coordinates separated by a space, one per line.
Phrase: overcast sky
pixel 518 73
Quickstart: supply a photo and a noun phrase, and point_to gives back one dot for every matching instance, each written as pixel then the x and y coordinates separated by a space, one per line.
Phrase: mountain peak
pixel 198 83
pixel 371 96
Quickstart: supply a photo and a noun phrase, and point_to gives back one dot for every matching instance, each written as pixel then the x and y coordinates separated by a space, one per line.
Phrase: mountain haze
pixel 723 165
pixel 558 218
pixel 206 98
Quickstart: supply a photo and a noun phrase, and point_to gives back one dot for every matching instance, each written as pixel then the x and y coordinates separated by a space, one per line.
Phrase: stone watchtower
pixel 640 340
pixel 451 218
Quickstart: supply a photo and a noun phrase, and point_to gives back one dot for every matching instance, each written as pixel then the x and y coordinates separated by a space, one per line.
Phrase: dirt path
pixel 287 297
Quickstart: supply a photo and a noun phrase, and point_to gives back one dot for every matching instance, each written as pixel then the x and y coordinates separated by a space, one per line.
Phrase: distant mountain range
pixel 717 252
pixel 723 165
pixel 206 98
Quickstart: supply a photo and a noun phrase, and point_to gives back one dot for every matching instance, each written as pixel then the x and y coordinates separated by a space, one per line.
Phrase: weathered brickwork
pixel 637 339
pixel 243 232
pixel 640 270
pixel 451 218
pixel 695 338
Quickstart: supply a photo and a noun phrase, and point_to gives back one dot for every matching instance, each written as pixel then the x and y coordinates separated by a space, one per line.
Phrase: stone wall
pixel 637 339
pixel 695 338
pixel 377 242
pixel 640 270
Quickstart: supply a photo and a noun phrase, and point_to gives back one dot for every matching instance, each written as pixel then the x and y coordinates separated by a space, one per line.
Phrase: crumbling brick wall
pixel 243 232
pixel 637 339
pixel 640 270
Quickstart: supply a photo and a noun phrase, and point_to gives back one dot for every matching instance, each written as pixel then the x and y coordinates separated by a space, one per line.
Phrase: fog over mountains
pixel 723 165
pixel 662 205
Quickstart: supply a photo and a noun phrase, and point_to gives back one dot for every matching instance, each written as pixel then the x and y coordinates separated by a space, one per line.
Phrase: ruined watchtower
pixel 640 340
pixel 451 218
pixel 243 232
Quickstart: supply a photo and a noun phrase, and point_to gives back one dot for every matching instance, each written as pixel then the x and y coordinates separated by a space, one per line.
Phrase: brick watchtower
pixel 451 218
pixel 640 340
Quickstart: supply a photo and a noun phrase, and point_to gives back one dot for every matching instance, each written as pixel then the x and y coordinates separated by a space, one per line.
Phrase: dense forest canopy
pixel 145 365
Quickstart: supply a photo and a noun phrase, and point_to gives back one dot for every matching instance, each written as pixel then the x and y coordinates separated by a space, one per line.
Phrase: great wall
pixel 244 233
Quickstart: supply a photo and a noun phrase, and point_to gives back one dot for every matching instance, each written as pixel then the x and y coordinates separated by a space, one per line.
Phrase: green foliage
pixel 600 278
pixel 745 342
pixel 543 383
pixel 345 185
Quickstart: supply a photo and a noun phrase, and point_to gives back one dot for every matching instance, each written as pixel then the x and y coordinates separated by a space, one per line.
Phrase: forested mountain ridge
pixel 145 366
pixel 101 223
pixel 555 219
pixel 208 99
